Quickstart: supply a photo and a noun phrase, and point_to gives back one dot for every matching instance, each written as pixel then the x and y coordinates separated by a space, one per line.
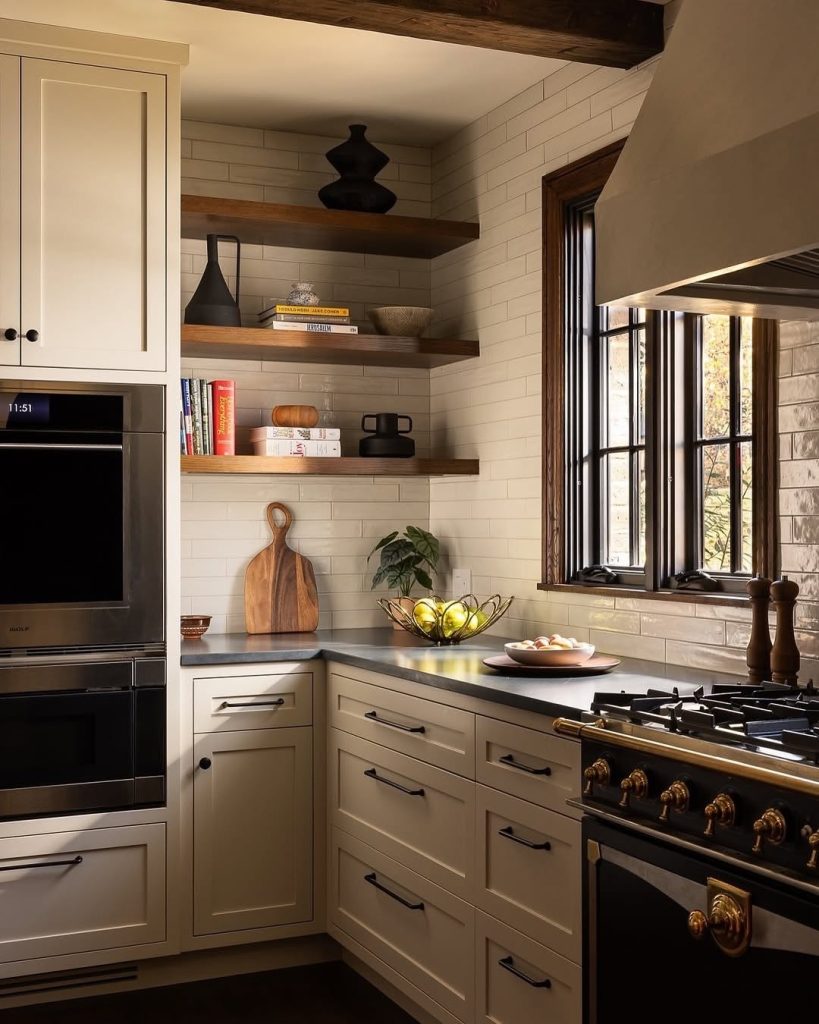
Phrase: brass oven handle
pixel 726 921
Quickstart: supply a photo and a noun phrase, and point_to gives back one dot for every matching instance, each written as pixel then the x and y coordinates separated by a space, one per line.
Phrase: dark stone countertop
pixel 458 669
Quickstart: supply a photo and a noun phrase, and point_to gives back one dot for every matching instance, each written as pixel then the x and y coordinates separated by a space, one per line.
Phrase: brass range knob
pixel 771 827
pixel 634 784
pixel 598 773
pixel 813 860
pixel 676 798
pixel 727 921
pixel 721 811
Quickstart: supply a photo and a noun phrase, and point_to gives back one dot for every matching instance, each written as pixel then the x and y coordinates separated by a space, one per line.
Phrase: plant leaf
pixel 397 551
pixel 379 577
pixel 423 578
pixel 425 544
pixel 383 543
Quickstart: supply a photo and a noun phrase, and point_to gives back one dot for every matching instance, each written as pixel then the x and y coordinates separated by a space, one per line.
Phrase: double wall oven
pixel 82 597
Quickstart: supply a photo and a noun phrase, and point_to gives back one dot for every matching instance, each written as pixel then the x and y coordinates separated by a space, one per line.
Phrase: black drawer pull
pixel 509 833
pixel 43 864
pixel 508 964
pixel 371 773
pixel 277 703
pixel 373 717
pixel 373 880
pixel 509 759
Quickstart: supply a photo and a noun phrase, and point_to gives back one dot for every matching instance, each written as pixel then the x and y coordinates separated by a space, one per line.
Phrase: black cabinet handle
pixel 43 864
pixel 509 833
pixel 32 335
pixel 373 880
pixel 508 964
pixel 371 773
pixel 373 717
pixel 509 759
pixel 277 703
pixel 205 763
pixel 10 334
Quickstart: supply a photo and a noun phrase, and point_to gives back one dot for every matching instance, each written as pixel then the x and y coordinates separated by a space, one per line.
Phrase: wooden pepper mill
pixel 785 653
pixel 759 643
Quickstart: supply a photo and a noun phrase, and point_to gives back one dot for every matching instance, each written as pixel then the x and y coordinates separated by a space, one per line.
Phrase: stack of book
pixel 207 424
pixel 321 319
pixel 299 442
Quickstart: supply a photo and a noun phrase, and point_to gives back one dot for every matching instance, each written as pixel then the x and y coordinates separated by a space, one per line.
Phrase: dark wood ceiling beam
pixel 616 33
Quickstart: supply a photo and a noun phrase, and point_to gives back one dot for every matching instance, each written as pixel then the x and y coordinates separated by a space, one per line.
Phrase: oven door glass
pixel 63 523
pixel 59 739
pixel 642 963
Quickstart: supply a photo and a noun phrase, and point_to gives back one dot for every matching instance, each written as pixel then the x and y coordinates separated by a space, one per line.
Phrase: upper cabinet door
pixel 93 217
pixel 9 210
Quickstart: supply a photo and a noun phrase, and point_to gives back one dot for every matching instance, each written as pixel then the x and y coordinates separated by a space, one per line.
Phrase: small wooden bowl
pixel 193 627
pixel 295 416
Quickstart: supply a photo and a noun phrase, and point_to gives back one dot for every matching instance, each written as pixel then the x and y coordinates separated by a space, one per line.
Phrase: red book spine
pixel 224 417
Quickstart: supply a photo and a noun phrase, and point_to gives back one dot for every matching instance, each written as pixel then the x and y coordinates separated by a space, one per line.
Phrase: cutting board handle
pixel 279 531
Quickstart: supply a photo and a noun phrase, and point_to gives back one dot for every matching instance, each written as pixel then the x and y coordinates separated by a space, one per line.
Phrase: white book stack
pixel 297 442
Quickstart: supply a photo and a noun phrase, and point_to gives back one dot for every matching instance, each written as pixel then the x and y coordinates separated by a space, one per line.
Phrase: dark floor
pixel 320 994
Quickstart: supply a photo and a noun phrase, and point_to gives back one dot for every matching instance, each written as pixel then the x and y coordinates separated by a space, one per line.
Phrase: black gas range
pixel 701 842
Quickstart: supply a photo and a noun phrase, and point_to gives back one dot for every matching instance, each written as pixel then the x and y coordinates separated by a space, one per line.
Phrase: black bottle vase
pixel 357 162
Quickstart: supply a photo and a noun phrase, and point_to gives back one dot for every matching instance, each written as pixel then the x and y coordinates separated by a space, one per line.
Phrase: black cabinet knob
pixel 10 334
pixel 205 763
pixel 32 335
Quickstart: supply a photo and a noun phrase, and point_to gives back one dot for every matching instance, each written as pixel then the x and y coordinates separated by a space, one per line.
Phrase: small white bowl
pixel 534 656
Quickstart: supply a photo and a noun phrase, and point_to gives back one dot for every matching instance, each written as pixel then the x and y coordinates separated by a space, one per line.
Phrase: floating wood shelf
pixel 308 227
pixel 328 467
pixel 306 346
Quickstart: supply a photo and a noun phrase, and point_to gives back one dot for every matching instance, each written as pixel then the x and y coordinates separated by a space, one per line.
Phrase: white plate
pixel 533 656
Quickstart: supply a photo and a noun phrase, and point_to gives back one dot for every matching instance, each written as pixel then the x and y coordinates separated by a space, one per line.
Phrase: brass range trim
pixel 597 732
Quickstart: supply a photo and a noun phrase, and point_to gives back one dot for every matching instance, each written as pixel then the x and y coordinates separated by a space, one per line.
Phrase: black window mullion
pixel 734 450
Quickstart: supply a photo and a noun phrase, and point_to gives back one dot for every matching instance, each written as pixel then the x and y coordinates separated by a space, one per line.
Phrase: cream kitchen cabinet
pixel 253 829
pixel 83 193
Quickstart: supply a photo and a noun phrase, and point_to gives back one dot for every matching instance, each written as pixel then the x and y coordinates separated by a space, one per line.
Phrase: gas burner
pixel 772 717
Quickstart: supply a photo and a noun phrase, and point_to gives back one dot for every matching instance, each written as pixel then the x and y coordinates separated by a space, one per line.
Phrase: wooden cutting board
pixel 280 585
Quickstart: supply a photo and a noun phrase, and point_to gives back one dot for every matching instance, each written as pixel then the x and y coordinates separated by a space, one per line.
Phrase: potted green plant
pixel 406 560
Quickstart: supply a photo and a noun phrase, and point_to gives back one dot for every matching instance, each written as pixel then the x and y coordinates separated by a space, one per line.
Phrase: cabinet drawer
pixel 519 981
pixel 423 932
pixel 71 892
pixel 529 870
pixel 234 703
pixel 433 732
pixel 419 815
pixel 530 764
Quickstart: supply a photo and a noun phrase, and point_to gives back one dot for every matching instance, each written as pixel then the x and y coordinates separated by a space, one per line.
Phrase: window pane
pixel 746 478
pixel 745 375
pixel 641 512
pixel 716 373
pixel 617 391
pixel 618 508
pixel 641 386
pixel 613 317
pixel 716 507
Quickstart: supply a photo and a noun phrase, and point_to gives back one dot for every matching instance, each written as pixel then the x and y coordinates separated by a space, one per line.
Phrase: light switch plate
pixel 461 582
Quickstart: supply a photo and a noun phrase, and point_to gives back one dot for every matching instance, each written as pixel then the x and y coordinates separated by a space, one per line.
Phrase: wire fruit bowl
pixel 446 622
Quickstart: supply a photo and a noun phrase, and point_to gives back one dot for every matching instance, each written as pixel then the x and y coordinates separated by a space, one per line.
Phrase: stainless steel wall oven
pixel 81 515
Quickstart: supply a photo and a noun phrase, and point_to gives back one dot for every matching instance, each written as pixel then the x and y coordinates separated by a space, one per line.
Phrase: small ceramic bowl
pixel 406 321
pixel 194 626
pixel 533 656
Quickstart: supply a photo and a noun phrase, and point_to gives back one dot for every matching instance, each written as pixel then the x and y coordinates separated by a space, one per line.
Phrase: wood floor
pixel 321 994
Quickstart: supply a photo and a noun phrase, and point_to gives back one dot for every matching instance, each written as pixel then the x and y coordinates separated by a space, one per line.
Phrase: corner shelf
pixel 328 467
pixel 303 346
pixel 308 227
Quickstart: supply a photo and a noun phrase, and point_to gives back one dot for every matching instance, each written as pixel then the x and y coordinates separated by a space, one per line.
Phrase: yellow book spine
pixel 314 310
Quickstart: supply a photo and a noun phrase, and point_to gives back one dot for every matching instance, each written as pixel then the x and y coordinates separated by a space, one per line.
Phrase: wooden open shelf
pixel 328 467
pixel 306 346
pixel 308 227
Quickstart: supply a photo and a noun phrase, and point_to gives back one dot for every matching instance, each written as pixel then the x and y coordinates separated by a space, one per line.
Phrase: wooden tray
pixel 597 665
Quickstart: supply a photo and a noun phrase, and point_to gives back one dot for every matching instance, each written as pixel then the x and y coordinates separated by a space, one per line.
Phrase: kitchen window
pixel 653 424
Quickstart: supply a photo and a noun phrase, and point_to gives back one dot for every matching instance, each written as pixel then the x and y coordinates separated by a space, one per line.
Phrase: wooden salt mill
pixel 785 653
pixel 759 643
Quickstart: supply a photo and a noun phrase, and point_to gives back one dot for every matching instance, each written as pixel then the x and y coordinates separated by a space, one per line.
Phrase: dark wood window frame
pixel 563 191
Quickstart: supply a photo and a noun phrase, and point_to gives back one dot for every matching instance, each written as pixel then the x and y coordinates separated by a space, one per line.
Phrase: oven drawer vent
pixel 66 981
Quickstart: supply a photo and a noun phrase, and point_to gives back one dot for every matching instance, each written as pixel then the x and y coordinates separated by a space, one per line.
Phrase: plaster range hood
pixel 713 205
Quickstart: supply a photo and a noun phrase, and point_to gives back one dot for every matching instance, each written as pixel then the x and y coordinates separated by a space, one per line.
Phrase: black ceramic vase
pixel 358 162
